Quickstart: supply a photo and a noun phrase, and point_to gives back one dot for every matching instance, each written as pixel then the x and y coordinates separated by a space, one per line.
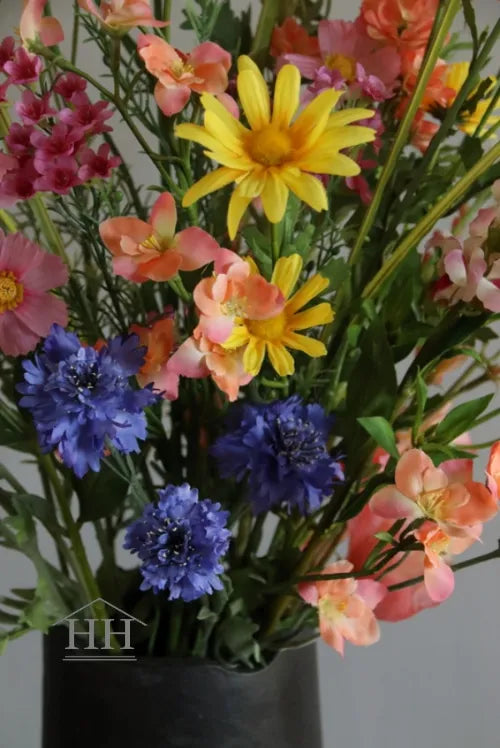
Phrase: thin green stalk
pixel 275 242
pixel 50 231
pixel 269 17
pixel 450 10
pixel 179 288
pixel 116 47
pixel 426 224
pixel 8 221
pixel 76 30
pixel 167 12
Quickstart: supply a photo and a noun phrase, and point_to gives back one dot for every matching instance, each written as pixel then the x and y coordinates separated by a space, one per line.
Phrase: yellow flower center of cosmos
pixel 431 503
pixel 11 292
pixel 156 243
pixel 179 68
pixel 270 146
pixel 268 329
pixel 345 65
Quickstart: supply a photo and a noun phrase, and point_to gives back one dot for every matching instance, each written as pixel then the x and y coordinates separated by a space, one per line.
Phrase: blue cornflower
pixel 82 399
pixel 180 542
pixel 282 449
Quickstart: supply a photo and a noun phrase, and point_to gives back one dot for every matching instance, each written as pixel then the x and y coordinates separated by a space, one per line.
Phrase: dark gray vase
pixel 178 703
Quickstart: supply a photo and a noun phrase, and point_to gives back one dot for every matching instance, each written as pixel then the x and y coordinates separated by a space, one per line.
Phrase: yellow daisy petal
pixel 321 314
pixel 197 134
pixel 253 356
pixel 239 336
pixel 281 360
pixel 223 133
pixel 332 163
pixel 237 206
pixel 274 197
pixel 209 183
pixel 254 98
pixel 311 346
pixel 286 95
pixel 311 288
pixel 346 116
pixel 286 273
pixel 252 184
pixel 306 187
pixel 313 120
pixel 336 138
pixel 211 104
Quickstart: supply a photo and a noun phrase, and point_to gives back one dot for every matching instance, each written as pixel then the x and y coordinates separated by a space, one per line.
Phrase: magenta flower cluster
pixel 48 150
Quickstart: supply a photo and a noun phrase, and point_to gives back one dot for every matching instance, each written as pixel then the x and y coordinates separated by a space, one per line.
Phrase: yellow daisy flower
pixel 456 75
pixel 276 334
pixel 274 155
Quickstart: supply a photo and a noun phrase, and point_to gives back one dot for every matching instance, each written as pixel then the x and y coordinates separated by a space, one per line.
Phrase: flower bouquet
pixel 256 374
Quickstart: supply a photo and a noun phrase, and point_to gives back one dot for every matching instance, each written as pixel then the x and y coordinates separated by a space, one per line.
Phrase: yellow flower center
pixel 234 307
pixel 179 68
pixel 270 146
pixel 431 503
pixel 345 65
pixel 268 329
pixel 332 609
pixel 11 292
pixel 154 242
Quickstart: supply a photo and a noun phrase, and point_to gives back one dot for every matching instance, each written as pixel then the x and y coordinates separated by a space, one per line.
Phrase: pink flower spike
pixel 97 165
pixel 23 68
pixel 70 84
pixel 7 163
pixel 27 311
pixel 18 140
pixel 18 184
pixel 59 175
pixel 62 141
pixel 35 25
pixel 32 109
pixel 122 15
pixel 7 49
pixel 90 118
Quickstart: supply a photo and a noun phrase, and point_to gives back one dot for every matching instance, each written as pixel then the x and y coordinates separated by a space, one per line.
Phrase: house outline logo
pixel 75 635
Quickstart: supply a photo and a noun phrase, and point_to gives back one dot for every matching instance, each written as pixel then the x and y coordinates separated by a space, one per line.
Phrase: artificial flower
pixel 198 357
pixel 281 448
pixel 274 156
pixel 158 339
pixel 403 23
pixel 31 108
pixel 239 292
pixel 180 541
pixel 82 399
pixel 119 16
pixel 493 470
pixel 470 118
pixel 97 164
pixel 345 607
pixel 23 68
pixel 276 334
pixel 27 310
pixel 204 69
pixel 153 251
pixel 346 48
pixel 291 37
pixel 35 25
pixel 422 491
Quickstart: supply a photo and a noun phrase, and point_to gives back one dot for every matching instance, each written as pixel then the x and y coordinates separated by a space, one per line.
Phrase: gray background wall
pixel 433 680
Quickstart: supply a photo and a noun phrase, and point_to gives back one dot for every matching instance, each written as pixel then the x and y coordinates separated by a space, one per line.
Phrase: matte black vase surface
pixel 178 703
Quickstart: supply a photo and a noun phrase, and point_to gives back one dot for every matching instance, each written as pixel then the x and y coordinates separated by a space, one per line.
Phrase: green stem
pixel 47 226
pixel 76 29
pixel 179 288
pixel 487 417
pixel 83 569
pixel 275 242
pixel 116 46
pixel 8 221
pixel 269 17
pixel 450 11
pixel 425 225
pixel 167 12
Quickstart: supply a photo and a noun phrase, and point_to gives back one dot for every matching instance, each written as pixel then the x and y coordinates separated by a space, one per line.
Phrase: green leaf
pixel 381 430
pixel 260 248
pixel 470 151
pixel 386 537
pixel 460 419
pixel 470 20
pixel 337 271
pixel 99 494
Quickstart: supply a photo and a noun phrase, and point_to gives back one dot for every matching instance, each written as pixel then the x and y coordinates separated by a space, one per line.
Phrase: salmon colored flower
pixel 119 16
pixel 291 37
pixel 27 310
pixel 204 69
pixel 438 92
pixel 275 335
pixel 274 156
pixel 444 367
pixel 34 24
pixel 345 607
pixel 240 292
pixel 456 75
pixel 493 470
pixel 423 491
pixel 198 358
pixel 153 251
pixel 403 23
pixel 158 339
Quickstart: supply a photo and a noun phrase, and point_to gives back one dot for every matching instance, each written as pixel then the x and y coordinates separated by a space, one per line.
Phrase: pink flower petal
pixel 15 338
pixel 390 503
pixel 439 580
pixel 49 272
pixel 41 310
pixel 410 470
pixel 196 247
pixel 371 592
pixel 188 361
pixel 454 265
pixel 172 99
pixel 164 216
pixel 217 329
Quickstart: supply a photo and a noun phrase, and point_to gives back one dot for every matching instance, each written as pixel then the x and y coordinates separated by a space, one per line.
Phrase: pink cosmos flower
pixel 27 311
pixel 153 251
pixel 198 358
pixel 122 15
pixel 402 23
pixel 88 117
pixel 31 109
pixel 347 51
pixel 158 338
pixel 34 24
pixel 70 84
pixel 97 164
pixel 423 491
pixel 204 69
pixel 493 470
pixel 23 68
pixel 345 607
pixel 238 292
pixel 59 175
